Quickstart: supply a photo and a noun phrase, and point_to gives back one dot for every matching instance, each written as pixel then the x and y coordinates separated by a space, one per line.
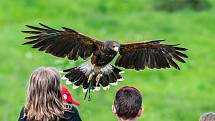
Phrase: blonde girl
pixel 44 98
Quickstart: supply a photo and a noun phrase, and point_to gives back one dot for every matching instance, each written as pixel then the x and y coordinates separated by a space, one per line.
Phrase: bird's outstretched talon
pixel 91 74
pixel 88 91
pixel 98 77
pixel 89 98
pixel 85 96
pixel 90 77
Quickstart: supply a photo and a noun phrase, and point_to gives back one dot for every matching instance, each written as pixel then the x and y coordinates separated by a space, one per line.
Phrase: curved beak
pixel 116 49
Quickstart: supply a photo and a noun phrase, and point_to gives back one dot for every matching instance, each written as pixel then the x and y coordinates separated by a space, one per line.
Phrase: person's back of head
pixel 127 103
pixel 207 117
pixel 44 98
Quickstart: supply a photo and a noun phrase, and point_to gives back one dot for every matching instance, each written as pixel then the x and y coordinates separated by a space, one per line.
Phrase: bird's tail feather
pixel 108 75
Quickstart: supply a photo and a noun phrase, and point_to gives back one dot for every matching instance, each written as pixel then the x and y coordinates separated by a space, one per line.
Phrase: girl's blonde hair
pixel 44 98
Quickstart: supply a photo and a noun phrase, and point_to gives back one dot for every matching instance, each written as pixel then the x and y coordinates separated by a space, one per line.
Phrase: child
pixel 127 104
pixel 44 98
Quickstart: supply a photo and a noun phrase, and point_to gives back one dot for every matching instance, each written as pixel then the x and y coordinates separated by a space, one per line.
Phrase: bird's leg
pixel 88 81
pixel 89 95
pixel 90 77
pixel 88 90
pixel 91 74
pixel 98 77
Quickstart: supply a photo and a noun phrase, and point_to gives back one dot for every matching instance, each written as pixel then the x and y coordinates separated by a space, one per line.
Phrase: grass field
pixel 168 95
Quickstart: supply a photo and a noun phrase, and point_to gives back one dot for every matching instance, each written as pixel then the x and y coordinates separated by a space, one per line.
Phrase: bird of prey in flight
pixel 97 71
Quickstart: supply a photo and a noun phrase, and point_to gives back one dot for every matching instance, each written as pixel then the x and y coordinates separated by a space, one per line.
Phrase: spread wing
pixel 61 43
pixel 150 54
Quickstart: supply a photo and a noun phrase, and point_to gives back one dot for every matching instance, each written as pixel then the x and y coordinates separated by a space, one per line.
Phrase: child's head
pixel 127 103
pixel 44 98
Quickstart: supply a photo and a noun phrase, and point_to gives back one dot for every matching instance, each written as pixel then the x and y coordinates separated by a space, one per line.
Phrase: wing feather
pixel 151 54
pixel 61 43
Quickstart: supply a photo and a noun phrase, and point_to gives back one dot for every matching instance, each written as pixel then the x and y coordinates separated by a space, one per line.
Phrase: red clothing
pixel 67 97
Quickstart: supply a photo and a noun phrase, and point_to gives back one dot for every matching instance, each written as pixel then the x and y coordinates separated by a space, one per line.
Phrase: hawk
pixel 97 71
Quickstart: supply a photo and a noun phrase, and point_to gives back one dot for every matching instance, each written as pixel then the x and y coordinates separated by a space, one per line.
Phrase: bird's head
pixel 112 45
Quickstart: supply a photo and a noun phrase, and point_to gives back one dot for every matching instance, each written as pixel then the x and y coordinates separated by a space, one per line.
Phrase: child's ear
pixel 114 110
pixel 140 112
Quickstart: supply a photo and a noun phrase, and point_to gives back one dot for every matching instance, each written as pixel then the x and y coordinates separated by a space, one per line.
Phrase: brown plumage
pixel 150 54
pixel 91 74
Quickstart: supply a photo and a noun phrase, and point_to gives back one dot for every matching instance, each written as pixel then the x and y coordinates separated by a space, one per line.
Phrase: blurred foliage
pixel 175 5
pixel 168 95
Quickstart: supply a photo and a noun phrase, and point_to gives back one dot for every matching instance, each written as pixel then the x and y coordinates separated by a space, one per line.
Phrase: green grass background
pixel 168 95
